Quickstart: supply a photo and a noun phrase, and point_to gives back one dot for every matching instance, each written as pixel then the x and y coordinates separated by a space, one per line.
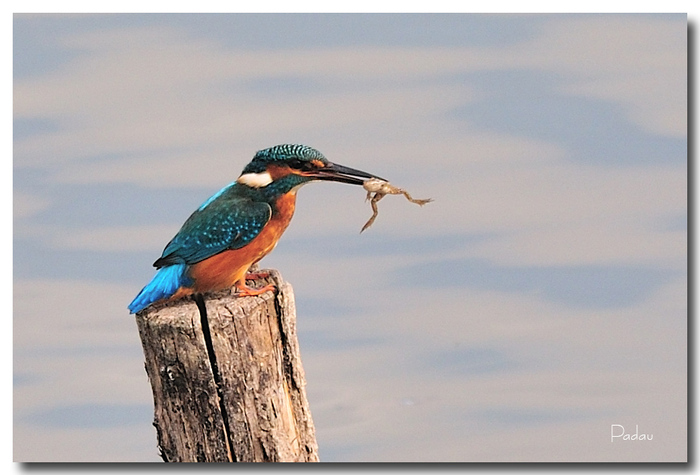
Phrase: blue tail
pixel 163 285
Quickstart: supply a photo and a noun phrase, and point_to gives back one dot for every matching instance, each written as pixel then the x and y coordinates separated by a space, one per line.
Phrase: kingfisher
pixel 239 225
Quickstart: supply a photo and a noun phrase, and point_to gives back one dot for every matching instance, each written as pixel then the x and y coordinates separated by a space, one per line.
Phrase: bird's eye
pixel 297 164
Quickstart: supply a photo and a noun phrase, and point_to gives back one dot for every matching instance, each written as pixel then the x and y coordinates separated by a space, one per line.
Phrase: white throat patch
pixel 255 180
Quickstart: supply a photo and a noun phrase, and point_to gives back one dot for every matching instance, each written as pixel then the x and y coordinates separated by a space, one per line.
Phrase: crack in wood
pixel 206 332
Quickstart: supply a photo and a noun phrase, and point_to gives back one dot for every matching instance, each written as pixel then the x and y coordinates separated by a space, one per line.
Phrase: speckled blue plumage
pixel 230 221
pixel 281 154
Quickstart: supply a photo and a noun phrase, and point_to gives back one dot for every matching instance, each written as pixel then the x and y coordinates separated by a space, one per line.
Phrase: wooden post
pixel 227 379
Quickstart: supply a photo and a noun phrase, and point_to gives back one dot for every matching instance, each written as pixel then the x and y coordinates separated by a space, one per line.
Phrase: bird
pixel 239 225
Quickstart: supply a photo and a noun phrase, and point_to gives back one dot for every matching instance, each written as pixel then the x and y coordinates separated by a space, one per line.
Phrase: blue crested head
pixel 282 168
pixel 295 156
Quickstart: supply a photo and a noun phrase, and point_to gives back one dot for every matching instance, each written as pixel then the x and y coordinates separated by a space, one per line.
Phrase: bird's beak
pixel 334 172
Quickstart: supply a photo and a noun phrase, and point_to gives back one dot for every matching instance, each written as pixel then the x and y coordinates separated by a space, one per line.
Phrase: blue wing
pixel 228 221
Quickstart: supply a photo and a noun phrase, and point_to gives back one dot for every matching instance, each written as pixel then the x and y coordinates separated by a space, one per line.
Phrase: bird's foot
pixel 257 275
pixel 245 291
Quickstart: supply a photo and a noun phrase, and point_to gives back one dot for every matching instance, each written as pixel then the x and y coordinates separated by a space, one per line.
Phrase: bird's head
pixel 297 164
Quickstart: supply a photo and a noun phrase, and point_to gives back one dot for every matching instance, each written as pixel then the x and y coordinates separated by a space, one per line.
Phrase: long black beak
pixel 334 172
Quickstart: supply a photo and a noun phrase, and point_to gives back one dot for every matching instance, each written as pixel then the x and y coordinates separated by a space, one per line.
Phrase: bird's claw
pixel 257 275
pixel 245 291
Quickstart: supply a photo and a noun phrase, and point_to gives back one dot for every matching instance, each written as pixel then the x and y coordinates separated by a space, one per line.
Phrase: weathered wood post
pixel 227 379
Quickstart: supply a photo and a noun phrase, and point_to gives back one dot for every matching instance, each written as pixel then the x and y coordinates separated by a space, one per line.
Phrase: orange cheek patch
pixel 278 171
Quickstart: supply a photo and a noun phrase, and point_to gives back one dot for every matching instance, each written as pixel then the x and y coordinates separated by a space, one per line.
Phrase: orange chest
pixel 284 209
pixel 273 230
